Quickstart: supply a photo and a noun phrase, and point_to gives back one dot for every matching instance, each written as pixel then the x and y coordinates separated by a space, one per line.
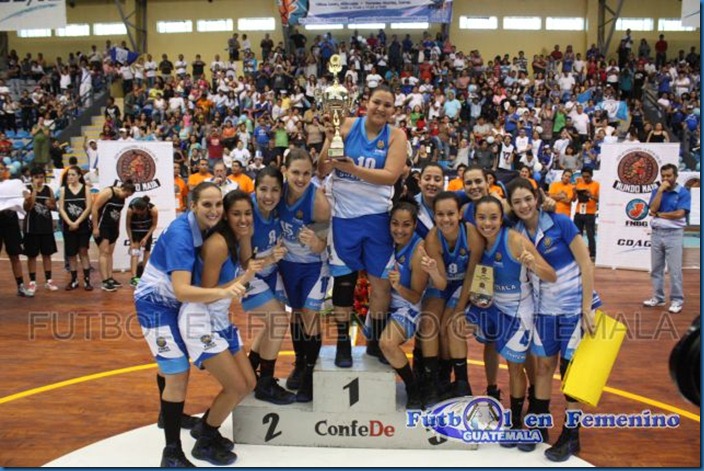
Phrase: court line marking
pixel 149 366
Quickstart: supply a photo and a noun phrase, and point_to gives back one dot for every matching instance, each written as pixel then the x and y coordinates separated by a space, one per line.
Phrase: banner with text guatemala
pixel 372 11
pixel 27 14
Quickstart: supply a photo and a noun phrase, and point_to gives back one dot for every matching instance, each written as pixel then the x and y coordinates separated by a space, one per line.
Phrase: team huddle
pixel 283 244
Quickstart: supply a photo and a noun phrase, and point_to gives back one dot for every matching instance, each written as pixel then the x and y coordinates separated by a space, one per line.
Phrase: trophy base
pixel 482 301
pixel 336 153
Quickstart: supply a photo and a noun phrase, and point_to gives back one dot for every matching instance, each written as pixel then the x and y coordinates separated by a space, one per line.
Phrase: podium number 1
pixel 353 387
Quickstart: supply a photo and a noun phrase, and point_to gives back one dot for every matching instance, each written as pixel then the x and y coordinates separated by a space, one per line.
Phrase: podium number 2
pixel 353 387
pixel 273 420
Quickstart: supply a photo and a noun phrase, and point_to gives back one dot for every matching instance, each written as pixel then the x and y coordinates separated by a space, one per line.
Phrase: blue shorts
pixel 511 335
pixel 305 284
pixel 160 328
pixel 204 332
pixel 451 294
pixel 406 317
pixel 556 334
pixel 362 243
pixel 262 290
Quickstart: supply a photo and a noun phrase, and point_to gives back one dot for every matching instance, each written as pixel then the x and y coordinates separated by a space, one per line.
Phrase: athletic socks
pixel 47 275
pixel 267 367
pixel 459 367
pixel 254 359
pixel 517 412
pixel 74 277
pixel 343 332
pixel 33 277
pixel 311 348
pixel 298 340
pixel 19 280
pixel 172 412
pixel 406 374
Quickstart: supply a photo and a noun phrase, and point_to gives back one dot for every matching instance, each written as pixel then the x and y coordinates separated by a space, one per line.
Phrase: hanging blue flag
pixel 123 56
pixel 585 96
pixel 622 111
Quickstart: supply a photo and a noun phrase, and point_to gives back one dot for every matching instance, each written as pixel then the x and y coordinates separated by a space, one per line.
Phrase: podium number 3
pixel 353 387
pixel 273 420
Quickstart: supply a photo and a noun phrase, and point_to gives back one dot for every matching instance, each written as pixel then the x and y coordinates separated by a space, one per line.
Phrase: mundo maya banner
pixel 312 12
pixel 26 14
pixel 629 173
pixel 150 166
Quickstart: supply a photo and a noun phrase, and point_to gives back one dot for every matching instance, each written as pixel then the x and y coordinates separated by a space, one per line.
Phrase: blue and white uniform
pixel 305 274
pixel 509 320
pixel 558 306
pixel 407 315
pixel 456 261
pixel 267 284
pixel 426 217
pixel 360 210
pixel 155 300
pixel 206 328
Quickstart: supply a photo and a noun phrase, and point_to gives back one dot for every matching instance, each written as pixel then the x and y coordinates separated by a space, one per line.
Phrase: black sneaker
pixel 115 283
pixel 108 286
pixel 458 389
pixel 187 422
pixel 343 354
pixel 495 393
pixel 221 441
pixel 207 449
pixel 173 457
pixel 565 446
pixel 531 446
pixel 373 348
pixel 268 390
pixel 413 399
pixel 293 382
pixel 429 392
pixel 305 392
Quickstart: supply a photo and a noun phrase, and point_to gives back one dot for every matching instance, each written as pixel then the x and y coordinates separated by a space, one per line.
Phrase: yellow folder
pixel 593 360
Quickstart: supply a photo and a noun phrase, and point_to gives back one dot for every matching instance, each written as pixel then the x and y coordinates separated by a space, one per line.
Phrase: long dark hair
pixel 224 229
pixel 75 168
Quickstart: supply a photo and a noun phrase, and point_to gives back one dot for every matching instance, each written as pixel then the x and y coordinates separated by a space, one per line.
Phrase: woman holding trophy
pixel 366 156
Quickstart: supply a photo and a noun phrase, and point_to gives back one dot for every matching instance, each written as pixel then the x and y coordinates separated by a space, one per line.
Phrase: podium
pixel 358 407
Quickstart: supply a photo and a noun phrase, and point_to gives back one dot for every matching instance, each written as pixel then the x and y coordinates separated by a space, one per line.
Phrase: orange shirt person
pixel 585 214
pixel 563 193
pixel 238 176
pixel 180 189
pixel 457 184
pixel 200 176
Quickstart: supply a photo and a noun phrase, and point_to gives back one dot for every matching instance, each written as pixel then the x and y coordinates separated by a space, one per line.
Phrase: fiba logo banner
pixel 478 419
pixel 637 172
pixel 139 165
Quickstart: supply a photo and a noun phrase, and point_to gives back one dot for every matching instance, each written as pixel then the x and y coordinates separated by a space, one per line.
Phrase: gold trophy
pixel 481 293
pixel 336 101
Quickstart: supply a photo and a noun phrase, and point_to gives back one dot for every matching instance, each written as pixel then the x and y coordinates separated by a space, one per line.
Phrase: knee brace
pixel 343 290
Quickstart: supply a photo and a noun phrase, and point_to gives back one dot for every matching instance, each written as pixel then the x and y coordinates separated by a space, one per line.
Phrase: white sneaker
pixel 31 288
pixel 653 302
pixel 50 286
pixel 676 307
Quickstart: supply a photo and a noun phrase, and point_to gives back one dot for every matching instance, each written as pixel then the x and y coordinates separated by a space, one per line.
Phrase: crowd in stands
pixel 548 112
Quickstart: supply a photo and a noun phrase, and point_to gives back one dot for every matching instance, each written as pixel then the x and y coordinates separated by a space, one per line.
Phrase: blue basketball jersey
pixel 293 218
pixel 426 217
pixel 403 258
pixel 457 259
pixel 266 234
pixel 468 215
pixel 512 288
pixel 553 237
pixel 352 196
pixel 175 250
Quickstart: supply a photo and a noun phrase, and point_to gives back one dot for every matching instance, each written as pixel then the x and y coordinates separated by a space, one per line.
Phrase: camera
pixel 685 363
pixel 583 196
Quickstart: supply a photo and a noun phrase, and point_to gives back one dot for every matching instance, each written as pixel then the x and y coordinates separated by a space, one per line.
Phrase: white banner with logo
pixel 628 175
pixel 692 181
pixel 150 166
pixel 368 11
pixel 28 14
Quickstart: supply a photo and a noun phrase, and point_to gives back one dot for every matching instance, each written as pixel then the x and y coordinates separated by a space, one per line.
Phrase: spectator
pixel 587 191
pixel 669 206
